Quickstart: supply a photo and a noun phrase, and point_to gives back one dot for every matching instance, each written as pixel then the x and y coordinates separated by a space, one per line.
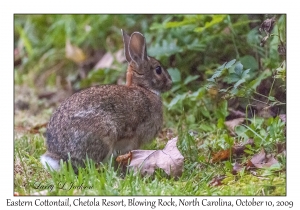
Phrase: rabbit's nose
pixel 169 84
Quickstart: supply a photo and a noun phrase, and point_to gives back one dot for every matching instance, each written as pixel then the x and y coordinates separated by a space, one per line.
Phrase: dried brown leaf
pixel 124 159
pixel 261 160
pixel 32 130
pixel 105 62
pixel 239 149
pixel 231 124
pixel 36 129
pixel 21 105
pixel 169 159
pixel 74 53
pixel 281 50
pixel 267 25
pixel 283 117
pixel 166 134
pixel 281 147
pixel 217 180
pixel 263 41
pixel 235 150
pixel 235 114
pixel 271 160
pixel 221 155
pixel 236 168
pixel 108 59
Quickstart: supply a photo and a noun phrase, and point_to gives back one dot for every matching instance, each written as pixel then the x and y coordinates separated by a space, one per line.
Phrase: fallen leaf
pixel 105 62
pixel 46 95
pixel 33 130
pixel 283 117
pixel 254 173
pixel 21 105
pixel 20 129
pixel 36 129
pixel 261 160
pixel 263 40
pixel 108 59
pixel 217 181
pixel 124 159
pixel 236 168
pixel 235 150
pixel 169 159
pixel 166 134
pixel 240 149
pixel 266 112
pixel 231 124
pixel 281 147
pixel 235 114
pixel 281 50
pixel 55 98
pixel 221 155
pixel 74 53
pixel 267 25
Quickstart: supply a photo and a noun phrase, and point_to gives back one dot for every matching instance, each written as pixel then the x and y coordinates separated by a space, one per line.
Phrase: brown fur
pixel 111 119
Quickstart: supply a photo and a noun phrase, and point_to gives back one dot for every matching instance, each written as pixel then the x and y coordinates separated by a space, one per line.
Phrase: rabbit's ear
pixel 126 39
pixel 137 48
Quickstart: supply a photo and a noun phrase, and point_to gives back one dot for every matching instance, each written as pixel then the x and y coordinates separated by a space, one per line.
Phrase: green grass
pixel 31 178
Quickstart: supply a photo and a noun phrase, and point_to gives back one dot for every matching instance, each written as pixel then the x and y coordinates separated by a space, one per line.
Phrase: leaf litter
pixel 168 159
pixel 261 160
pixel 236 150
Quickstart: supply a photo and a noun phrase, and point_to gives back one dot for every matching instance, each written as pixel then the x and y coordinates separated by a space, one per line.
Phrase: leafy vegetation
pixel 223 67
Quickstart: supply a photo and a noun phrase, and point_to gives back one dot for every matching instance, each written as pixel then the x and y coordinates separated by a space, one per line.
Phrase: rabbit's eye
pixel 158 70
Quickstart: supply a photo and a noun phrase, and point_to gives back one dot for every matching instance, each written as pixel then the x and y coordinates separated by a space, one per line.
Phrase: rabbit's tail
pixel 49 160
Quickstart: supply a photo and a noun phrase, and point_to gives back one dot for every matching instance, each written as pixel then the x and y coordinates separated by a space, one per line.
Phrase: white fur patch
pixel 53 163
pixel 155 92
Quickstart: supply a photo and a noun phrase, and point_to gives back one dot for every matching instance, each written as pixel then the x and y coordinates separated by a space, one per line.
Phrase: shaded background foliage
pixel 191 45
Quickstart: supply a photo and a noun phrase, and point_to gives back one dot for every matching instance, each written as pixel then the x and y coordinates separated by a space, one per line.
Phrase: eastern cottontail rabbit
pixel 110 119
